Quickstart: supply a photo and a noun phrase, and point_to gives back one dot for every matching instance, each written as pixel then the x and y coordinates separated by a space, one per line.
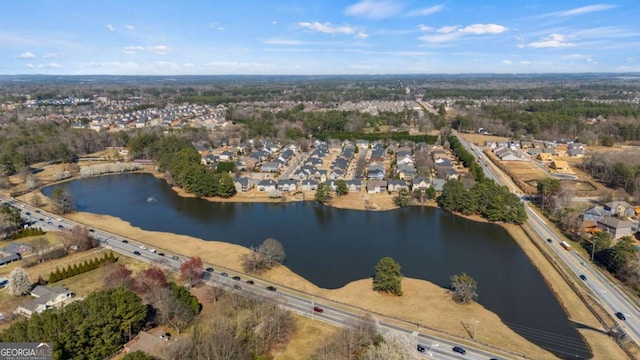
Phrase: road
pixel 607 293
pixel 299 302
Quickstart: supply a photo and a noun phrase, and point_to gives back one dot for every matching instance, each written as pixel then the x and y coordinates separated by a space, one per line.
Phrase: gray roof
pixel 614 222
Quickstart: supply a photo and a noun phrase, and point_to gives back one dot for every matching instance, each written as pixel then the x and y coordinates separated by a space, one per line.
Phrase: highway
pixel 299 302
pixel 608 294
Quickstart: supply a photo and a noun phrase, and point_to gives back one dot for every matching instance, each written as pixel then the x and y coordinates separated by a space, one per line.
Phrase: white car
pixel 143 247
pixel 153 250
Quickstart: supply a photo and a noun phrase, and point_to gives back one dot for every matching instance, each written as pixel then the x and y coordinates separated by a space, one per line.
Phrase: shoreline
pixel 228 255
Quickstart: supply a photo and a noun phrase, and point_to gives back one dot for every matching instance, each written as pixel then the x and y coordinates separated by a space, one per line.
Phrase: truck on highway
pixel 565 245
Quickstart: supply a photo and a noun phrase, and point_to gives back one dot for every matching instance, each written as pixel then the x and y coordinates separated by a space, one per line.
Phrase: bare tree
pixel 172 310
pixel 464 288
pixel 272 251
pixel 218 343
pixel 350 342
pixel 191 270
pixel 181 349
pixel 38 245
pixel 268 255
pixel 117 275
pixel 392 347
pixel 215 293
pixel 148 280
pixel 19 283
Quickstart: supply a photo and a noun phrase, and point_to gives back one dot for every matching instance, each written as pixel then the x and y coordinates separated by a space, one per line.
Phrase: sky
pixel 323 37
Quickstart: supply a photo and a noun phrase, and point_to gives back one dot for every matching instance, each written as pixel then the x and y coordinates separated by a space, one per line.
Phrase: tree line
pixel 180 161
pixel 94 328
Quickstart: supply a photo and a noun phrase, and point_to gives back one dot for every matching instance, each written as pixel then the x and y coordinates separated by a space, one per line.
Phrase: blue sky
pixel 161 37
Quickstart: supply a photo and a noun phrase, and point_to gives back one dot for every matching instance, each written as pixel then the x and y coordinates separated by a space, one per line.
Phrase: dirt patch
pixel 480 139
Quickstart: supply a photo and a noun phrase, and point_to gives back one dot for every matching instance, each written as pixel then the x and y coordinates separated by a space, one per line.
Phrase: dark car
pixel 125 241
pixel 459 350
pixel 160 254
pixel 421 348
pixel 136 253
pixel 91 230
pixel 549 240
pixel 209 269
pixel 38 211
pixel 250 282
pixel 237 278
pixel 60 227
pixel 271 288
pixel 620 316
pixel 583 277
pixel 237 287
pixel 224 274
pixel 318 309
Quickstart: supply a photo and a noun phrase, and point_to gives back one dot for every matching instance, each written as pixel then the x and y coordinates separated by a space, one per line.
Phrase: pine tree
pixel 74 270
pixel 52 277
pixel 112 257
pixel 65 273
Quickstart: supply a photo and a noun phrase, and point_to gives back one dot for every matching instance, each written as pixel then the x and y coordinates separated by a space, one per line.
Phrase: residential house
pixel 242 184
pixel 545 156
pixel 615 227
pixel 561 166
pixel 270 166
pixel 438 184
pixel 621 209
pixel 267 185
pixel 420 183
pixel 396 185
pixel 44 298
pixel 594 214
pixel 376 186
pixel 225 155
pixel 447 173
pixel 309 185
pixel 375 172
pixel 362 144
pixel 405 172
pixel 13 252
pixel 354 185
pixel 287 185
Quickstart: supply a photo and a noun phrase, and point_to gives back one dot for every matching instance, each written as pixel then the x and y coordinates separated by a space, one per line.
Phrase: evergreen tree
pixel 388 277
pixel 341 187
pixel 225 188
pixel 323 193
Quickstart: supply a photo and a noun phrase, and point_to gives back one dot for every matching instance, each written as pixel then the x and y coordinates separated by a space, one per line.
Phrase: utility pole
pixel 593 247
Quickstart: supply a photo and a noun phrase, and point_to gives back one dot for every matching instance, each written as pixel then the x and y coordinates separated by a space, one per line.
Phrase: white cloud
pixel 50 56
pixel 426 11
pixel 166 65
pixel 276 41
pixel 274 22
pixel 26 55
pixel 480 29
pixel 130 27
pixel 583 10
pixel 361 35
pixel 551 41
pixel 30 66
pixel 114 64
pixel 424 27
pixel 50 66
pixel 156 49
pixel 188 66
pixel 374 9
pixel 525 62
pixel 110 27
pixel 507 62
pixel 326 28
pixel 449 33
pixel 447 29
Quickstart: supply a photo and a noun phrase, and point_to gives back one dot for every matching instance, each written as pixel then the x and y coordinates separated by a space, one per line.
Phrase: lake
pixel 332 247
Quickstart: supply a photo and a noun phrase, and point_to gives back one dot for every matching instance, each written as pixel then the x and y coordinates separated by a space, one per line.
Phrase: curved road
pixel 608 293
